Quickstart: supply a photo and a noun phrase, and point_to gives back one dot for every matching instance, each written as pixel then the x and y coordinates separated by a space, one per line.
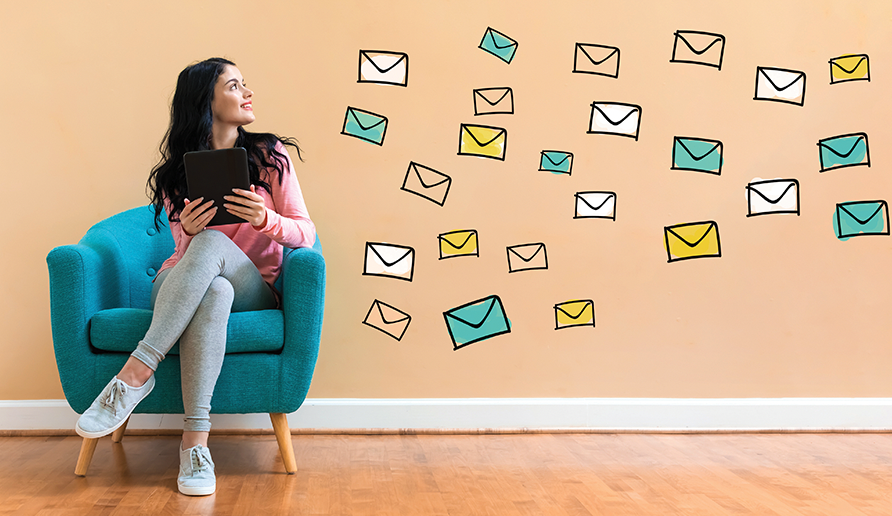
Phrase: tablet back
pixel 211 174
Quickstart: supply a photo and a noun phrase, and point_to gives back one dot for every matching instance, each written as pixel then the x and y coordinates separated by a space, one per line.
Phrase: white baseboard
pixel 475 414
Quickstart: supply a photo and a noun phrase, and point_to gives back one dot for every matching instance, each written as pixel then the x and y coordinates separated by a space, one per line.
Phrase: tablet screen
pixel 212 174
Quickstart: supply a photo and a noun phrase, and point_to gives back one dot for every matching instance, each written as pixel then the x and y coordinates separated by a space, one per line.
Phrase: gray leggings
pixel 191 303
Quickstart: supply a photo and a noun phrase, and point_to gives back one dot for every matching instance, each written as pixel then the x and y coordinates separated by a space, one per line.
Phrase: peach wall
pixel 788 310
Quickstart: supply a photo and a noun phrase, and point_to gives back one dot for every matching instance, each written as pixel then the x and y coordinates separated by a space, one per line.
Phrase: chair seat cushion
pixel 121 329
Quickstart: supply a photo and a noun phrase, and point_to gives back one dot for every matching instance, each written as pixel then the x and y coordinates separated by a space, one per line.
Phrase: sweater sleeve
pixel 288 221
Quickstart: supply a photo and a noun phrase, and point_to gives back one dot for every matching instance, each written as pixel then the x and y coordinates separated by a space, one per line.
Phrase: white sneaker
pixel 196 471
pixel 111 408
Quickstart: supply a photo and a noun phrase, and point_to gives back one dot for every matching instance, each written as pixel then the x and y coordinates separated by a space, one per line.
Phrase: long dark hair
pixel 191 120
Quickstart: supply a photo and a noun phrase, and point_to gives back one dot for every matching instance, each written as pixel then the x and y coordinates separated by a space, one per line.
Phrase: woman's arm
pixel 288 222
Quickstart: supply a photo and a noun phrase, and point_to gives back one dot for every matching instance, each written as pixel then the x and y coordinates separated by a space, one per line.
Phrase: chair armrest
pixel 303 302
pixel 84 279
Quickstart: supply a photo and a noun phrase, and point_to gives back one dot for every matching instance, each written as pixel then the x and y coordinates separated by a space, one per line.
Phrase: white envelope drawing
pixel 772 196
pixel 383 67
pixel 595 205
pixel 615 118
pixel 389 260
pixel 780 85
pixel 426 182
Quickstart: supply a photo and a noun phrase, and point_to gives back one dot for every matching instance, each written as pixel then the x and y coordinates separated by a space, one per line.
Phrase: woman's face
pixel 232 99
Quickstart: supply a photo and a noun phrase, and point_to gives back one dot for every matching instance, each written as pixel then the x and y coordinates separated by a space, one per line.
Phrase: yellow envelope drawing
pixel 780 85
pixel 483 141
pixel 389 260
pixel 426 182
pixel 851 67
pixel 527 257
pixel 569 314
pixel 596 60
pixel 700 48
pixel 461 242
pixel 382 67
pixel 494 101
pixel 692 240
pixel 387 319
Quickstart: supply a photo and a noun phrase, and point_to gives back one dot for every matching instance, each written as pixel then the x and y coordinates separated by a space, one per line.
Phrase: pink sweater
pixel 287 224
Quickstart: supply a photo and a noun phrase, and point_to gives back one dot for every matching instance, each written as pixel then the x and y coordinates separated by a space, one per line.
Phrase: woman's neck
pixel 223 137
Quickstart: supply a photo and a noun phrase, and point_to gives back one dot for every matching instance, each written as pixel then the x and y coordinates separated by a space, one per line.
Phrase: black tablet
pixel 212 174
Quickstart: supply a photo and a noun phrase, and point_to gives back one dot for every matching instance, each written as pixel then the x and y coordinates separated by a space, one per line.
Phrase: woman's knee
pixel 208 239
pixel 219 292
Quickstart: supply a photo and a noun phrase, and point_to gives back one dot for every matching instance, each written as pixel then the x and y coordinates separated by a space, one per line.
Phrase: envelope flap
pixel 483 131
pixel 366 121
pixel 700 39
pixel 614 107
pixel 526 249
pixel 844 62
pixel 693 233
pixel 838 145
pixel 588 50
pixel 452 238
pixel 390 314
pixel 785 77
pixel 500 40
pixel 768 188
pixel 473 310
pixel 561 157
pixel 599 198
pixel 698 145
pixel 432 174
pixel 494 92
pixel 379 59
pixel 571 306
pixel 394 254
pixel 862 212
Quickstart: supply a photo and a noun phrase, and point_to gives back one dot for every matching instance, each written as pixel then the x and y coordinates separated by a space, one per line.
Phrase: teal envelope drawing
pixel 498 45
pixel 859 218
pixel 365 125
pixel 476 321
pixel 559 162
pixel 697 154
pixel 846 150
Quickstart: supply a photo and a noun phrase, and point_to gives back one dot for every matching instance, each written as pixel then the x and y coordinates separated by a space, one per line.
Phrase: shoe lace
pixel 115 394
pixel 199 461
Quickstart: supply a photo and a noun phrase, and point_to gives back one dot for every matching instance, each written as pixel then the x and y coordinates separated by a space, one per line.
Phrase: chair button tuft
pixel 152 232
pixel 150 271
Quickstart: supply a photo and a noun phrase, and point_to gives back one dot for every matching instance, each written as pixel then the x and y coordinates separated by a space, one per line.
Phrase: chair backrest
pixel 136 249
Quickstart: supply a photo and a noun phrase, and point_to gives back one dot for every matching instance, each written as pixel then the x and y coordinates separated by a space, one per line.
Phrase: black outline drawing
pixel 823 143
pixel 842 206
pixel 472 233
pixel 506 92
pixel 588 303
pixel 679 34
pixel 611 122
pixel 580 47
pixel 712 226
pixel 567 155
pixel 578 197
pixel 451 313
pixel 364 128
pixel 513 249
pixel 718 145
pixel 502 132
pixel 489 31
pixel 376 303
pixel 413 165
pixel 864 58
pixel 760 70
pixel 365 53
pixel 750 190
pixel 369 246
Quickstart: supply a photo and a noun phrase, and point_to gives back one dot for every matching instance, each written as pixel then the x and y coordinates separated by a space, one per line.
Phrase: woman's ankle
pixel 190 439
pixel 135 373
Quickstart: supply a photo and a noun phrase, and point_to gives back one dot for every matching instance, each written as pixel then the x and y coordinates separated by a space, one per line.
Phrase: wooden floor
pixel 543 474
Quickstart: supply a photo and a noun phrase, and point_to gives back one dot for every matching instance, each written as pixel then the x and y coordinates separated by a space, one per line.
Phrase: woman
pixel 212 271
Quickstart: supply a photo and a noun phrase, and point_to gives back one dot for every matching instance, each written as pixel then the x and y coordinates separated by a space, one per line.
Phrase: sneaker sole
pixel 197 491
pixel 96 435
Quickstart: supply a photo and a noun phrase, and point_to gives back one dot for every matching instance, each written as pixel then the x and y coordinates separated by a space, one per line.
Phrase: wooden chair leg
pixel 283 436
pixel 86 455
pixel 118 434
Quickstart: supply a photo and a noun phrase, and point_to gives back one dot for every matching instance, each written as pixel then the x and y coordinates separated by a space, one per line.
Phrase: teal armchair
pixel 100 308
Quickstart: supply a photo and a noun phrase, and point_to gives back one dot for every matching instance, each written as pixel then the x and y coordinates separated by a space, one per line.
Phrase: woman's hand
pixel 195 216
pixel 248 205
